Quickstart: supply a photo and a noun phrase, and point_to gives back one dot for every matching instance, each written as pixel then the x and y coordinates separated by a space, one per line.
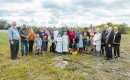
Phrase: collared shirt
pixel 115 35
pixel 13 34
pixel 24 32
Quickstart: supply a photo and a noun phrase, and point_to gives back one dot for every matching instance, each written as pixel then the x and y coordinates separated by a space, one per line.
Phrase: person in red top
pixel 71 35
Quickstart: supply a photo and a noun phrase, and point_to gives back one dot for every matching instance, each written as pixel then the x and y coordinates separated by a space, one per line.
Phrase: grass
pixel 82 67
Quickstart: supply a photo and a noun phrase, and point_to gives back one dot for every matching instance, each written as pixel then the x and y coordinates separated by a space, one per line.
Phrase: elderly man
pixel 109 43
pixel 14 40
pixel 116 43
pixel 24 33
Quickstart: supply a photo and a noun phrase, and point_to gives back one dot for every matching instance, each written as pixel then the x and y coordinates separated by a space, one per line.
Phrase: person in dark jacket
pixel 116 42
pixel 103 38
pixel 109 43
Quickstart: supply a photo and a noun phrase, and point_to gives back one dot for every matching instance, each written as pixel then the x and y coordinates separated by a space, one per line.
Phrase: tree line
pixel 4 25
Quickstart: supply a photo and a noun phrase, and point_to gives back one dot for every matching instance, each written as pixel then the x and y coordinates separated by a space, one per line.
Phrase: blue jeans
pixel 24 44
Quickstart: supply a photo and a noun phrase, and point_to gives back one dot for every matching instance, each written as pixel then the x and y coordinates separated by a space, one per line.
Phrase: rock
pixel 61 64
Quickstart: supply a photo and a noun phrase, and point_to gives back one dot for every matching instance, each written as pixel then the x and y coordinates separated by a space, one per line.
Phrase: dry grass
pixel 82 67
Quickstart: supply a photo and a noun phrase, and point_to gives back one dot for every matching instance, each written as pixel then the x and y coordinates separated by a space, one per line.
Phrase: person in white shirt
pixel 97 42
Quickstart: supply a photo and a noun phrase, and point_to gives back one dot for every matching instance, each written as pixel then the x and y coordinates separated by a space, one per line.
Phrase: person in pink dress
pixel 71 35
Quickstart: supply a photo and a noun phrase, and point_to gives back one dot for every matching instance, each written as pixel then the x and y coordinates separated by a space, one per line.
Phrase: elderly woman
pixel 97 42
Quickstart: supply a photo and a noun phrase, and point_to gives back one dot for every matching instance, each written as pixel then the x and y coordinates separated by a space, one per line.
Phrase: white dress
pixel 59 44
pixel 97 38
pixel 65 43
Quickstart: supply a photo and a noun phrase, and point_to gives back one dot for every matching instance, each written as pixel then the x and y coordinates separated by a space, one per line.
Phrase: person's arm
pixel 10 36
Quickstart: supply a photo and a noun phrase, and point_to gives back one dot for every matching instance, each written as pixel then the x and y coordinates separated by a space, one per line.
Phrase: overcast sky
pixel 65 12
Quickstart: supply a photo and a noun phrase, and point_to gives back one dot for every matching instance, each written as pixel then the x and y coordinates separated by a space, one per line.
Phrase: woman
pixel 71 35
pixel 97 42
pixel 31 38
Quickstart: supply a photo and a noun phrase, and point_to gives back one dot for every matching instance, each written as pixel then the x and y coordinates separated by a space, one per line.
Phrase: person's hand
pixel 27 37
pixel 12 42
pixel 109 45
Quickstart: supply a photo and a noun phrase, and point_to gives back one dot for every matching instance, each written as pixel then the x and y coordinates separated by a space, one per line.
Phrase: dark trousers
pixel 14 49
pixel 116 51
pixel 108 52
pixel 31 46
pixel 52 48
pixel 103 49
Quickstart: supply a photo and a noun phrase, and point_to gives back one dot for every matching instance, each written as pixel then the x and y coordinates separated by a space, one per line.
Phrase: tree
pixel 4 24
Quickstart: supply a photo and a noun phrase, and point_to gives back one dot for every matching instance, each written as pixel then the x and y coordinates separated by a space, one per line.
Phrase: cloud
pixel 15 1
pixel 65 12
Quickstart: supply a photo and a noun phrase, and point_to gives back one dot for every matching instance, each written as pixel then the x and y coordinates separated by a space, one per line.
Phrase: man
pixel 24 40
pixel 109 43
pixel 42 33
pixel 103 38
pixel 14 38
pixel 116 43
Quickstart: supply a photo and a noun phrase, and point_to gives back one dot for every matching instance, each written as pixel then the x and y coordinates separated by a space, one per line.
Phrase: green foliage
pixel 4 24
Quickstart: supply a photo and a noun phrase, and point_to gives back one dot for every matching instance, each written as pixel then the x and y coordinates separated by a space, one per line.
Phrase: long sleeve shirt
pixel 13 34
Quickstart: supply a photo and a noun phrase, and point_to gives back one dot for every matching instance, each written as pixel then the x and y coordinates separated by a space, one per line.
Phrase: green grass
pixel 81 67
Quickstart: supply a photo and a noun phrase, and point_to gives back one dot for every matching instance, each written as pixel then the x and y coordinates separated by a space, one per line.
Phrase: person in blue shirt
pixel 38 44
pixel 14 38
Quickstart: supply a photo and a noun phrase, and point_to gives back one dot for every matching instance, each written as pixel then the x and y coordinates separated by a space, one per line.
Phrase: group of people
pixel 70 41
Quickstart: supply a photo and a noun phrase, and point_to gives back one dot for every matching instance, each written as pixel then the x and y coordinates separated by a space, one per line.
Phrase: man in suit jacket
pixel 103 38
pixel 116 42
pixel 109 43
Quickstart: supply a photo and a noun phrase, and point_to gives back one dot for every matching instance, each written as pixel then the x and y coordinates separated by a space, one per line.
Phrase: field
pixel 82 67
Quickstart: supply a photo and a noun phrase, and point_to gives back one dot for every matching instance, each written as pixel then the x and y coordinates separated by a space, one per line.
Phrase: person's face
pixel 65 33
pixel 109 29
pixel 44 38
pixel 14 24
pixel 37 35
pixel 115 29
pixel 81 35
pixel 24 26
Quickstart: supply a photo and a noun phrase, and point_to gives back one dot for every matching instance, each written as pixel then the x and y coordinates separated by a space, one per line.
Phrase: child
pixel 80 44
pixel 38 44
pixel 73 48
pixel 59 44
pixel 88 45
pixel 65 42
pixel 44 46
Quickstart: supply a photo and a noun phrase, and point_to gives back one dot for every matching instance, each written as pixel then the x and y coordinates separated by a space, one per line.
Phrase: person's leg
pixel 110 52
pixel 115 54
pixel 26 47
pixel 12 49
pixel 29 47
pixel 17 48
pixel 107 52
pixel 22 47
pixel 102 50
pixel 118 51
